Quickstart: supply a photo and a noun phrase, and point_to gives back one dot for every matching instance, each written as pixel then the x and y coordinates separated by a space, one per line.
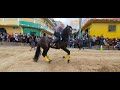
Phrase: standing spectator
pixel 114 43
pixel 94 40
pixel 71 42
pixel 101 40
pixel 16 37
pixel 23 39
pixel 90 42
pixel 0 37
pixel 32 43
pixel 8 39
pixel 20 37
pixel 98 40
pixel 11 37
pixel 5 37
pixel 85 38
pixel 37 40
pixel 28 35
pixel 80 43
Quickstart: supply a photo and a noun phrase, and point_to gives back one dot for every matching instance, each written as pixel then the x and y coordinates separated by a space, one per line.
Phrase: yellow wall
pixel 10 29
pixel 8 21
pixel 38 21
pixel 86 28
pixel 49 25
pixel 42 22
pixel 14 21
pixel 27 19
pixel 102 28
pixel 42 19
pixel 98 29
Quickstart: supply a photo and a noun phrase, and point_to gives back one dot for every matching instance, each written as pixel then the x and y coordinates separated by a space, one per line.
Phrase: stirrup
pixel 52 44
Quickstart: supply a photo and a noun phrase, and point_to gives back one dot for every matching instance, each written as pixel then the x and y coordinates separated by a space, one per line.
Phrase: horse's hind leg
pixel 68 55
pixel 37 54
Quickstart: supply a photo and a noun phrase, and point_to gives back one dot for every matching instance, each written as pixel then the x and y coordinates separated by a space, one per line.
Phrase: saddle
pixel 57 44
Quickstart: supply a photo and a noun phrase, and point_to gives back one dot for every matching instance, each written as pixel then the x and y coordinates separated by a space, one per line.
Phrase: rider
pixel 57 33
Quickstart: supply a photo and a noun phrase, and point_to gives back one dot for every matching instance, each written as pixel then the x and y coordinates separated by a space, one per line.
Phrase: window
pixel 2 30
pixel 15 27
pixel 47 24
pixel 112 28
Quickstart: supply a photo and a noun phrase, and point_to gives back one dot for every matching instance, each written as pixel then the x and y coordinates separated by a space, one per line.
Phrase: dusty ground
pixel 19 59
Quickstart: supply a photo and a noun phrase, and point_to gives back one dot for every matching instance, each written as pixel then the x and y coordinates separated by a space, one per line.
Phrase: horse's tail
pixel 37 53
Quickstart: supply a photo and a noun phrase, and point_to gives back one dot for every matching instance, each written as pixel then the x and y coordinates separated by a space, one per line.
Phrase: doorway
pixel 3 30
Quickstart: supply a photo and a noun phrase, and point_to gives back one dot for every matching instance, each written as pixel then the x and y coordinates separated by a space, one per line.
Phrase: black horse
pixel 45 45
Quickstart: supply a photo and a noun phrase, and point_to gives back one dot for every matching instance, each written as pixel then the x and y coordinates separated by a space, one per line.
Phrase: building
pixel 74 24
pixel 27 25
pixel 59 22
pixel 108 27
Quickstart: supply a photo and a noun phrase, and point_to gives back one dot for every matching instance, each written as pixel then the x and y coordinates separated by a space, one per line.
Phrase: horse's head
pixel 68 30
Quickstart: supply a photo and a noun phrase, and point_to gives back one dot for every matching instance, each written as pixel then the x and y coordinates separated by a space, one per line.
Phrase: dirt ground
pixel 19 59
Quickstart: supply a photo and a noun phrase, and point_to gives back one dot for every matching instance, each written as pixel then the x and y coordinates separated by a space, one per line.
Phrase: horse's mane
pixel 65 34
pixel 64 31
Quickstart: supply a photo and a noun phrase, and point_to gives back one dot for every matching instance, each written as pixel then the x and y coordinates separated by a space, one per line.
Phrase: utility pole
pixel 80 22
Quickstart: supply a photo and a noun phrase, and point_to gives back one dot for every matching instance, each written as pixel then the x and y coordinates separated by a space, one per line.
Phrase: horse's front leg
pixel 68 54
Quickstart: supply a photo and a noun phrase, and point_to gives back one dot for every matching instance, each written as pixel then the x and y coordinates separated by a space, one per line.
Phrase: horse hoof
pixel 63 56
pixel 35 60
pixel 68 61
pixel 49 62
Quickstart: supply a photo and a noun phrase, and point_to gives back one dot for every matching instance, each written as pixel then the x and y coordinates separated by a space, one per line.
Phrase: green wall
pixel 30 30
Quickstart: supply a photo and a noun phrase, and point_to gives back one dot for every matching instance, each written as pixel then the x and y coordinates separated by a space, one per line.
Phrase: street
pixel 19 59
